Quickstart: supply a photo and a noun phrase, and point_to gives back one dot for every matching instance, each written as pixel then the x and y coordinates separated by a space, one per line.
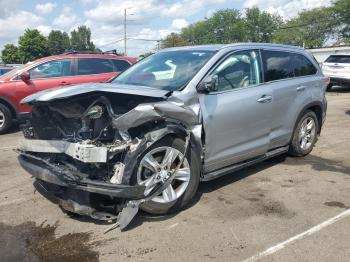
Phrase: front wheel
pixel 305 135
pixel 156 164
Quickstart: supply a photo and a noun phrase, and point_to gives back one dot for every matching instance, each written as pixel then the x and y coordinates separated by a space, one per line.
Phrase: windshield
pixel 169 70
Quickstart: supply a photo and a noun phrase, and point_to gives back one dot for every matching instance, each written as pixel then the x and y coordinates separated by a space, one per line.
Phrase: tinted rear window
pixel 345 59
pixel 303 66
pixel 120 65
pixel 91 66
pixel 277 65
pixel 281 65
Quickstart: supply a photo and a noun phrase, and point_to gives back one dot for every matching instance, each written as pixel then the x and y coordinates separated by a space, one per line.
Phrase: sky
pixel 149 19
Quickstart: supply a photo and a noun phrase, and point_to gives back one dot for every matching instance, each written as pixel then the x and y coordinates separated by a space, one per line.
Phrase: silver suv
pixel 176 118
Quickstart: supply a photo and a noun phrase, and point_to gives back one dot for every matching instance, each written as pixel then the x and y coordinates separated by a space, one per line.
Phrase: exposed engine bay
pixel 88 146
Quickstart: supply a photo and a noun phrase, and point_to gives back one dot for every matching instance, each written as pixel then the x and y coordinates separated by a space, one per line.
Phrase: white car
pixel 337 68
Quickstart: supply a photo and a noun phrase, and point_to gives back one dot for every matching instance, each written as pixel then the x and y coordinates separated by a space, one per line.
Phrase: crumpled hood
pixel 65 92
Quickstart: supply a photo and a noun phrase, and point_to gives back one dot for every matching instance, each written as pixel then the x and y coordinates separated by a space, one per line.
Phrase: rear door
pixel 93 70
pixel 290 76
pixel 237 117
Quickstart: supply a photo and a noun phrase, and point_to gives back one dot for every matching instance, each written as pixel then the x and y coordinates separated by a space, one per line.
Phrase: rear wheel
pixel 305 135
pixel 5 119
pixel 157 163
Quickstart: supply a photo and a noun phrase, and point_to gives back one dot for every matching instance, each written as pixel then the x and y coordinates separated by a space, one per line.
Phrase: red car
pixel 54 71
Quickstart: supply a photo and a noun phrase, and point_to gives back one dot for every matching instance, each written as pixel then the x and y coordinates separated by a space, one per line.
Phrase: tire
pixel 329 87
pixel 157 208
pixel 296 147
pixel 5 119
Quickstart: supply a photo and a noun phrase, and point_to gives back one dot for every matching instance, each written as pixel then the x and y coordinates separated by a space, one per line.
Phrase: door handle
pixel 265 99
pixel 300 88
pixel 63 83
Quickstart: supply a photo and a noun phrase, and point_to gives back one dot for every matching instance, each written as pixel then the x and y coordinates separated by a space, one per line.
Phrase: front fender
pixel 133 156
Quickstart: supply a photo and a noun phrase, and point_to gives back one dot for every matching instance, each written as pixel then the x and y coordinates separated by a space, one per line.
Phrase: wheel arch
pixel 317 108
pixel 9 105
pixel 170 129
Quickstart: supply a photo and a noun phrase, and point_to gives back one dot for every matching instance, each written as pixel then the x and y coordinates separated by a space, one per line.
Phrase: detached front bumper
pixel 60 176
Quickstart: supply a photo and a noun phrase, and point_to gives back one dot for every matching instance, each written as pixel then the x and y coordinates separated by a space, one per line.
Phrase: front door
pixel 236 117
pixel 47 75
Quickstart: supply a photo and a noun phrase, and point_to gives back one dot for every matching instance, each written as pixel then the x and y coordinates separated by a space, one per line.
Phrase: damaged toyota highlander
pixel 178 117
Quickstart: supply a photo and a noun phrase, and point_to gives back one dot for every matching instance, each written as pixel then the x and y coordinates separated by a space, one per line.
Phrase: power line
pixel 145 39
pixel 116 41
pixel 303 25
pixel 135 39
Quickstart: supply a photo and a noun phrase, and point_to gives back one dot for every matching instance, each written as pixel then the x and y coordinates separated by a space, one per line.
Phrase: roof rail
pixel 109 52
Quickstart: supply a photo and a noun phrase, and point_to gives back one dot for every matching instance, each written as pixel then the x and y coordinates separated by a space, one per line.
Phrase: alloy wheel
pixel 2 119
pixel 307 133
pixel 157 165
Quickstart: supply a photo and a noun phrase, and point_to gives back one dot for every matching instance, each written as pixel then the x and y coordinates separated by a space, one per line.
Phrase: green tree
pixel 32 45
pixel 260 25
pixel 81 39
pixel 228 26
pixel 172 40
pixel 10 54
pixel 58 42
pixel 225 26
pixel 342 14
pixel 310 29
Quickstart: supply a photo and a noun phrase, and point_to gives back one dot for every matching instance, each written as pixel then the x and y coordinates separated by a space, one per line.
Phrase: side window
pixel 238 70
pixel 92 66
pixel 277 65
pixel 55 68
pixel 120 65
pixel 302 66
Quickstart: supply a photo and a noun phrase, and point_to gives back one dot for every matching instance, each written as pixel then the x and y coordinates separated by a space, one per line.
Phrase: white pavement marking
pixel 8 147
pixel 309 232
pixel 12 202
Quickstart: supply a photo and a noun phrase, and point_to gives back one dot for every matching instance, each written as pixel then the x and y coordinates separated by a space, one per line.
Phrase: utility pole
pixel 125 21
pixel 125 32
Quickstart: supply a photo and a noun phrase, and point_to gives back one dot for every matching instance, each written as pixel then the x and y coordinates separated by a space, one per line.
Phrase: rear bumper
pixel 60 176
pixel 339 80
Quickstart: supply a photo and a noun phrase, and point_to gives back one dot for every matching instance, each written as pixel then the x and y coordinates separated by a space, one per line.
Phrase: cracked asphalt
pixel 231 219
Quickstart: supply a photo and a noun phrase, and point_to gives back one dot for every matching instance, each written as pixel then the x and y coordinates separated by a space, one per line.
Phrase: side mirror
pixel 25 76
pixel 209 84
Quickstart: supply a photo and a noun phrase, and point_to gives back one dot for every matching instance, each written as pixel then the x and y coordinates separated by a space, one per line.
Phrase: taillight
pixel 326 81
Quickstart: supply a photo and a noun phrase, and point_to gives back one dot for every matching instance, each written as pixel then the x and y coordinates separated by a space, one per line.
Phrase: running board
pixel 227 170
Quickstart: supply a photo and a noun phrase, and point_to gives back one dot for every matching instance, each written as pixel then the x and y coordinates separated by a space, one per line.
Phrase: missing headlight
pixel 95 112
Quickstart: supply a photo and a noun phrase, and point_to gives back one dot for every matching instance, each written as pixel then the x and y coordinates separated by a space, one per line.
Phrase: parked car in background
pixel 54 71
pixel 5 68
pixel 177 117
pixel 337 68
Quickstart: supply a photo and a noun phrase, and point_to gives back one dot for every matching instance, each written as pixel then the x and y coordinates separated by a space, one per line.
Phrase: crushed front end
pixel 84 149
